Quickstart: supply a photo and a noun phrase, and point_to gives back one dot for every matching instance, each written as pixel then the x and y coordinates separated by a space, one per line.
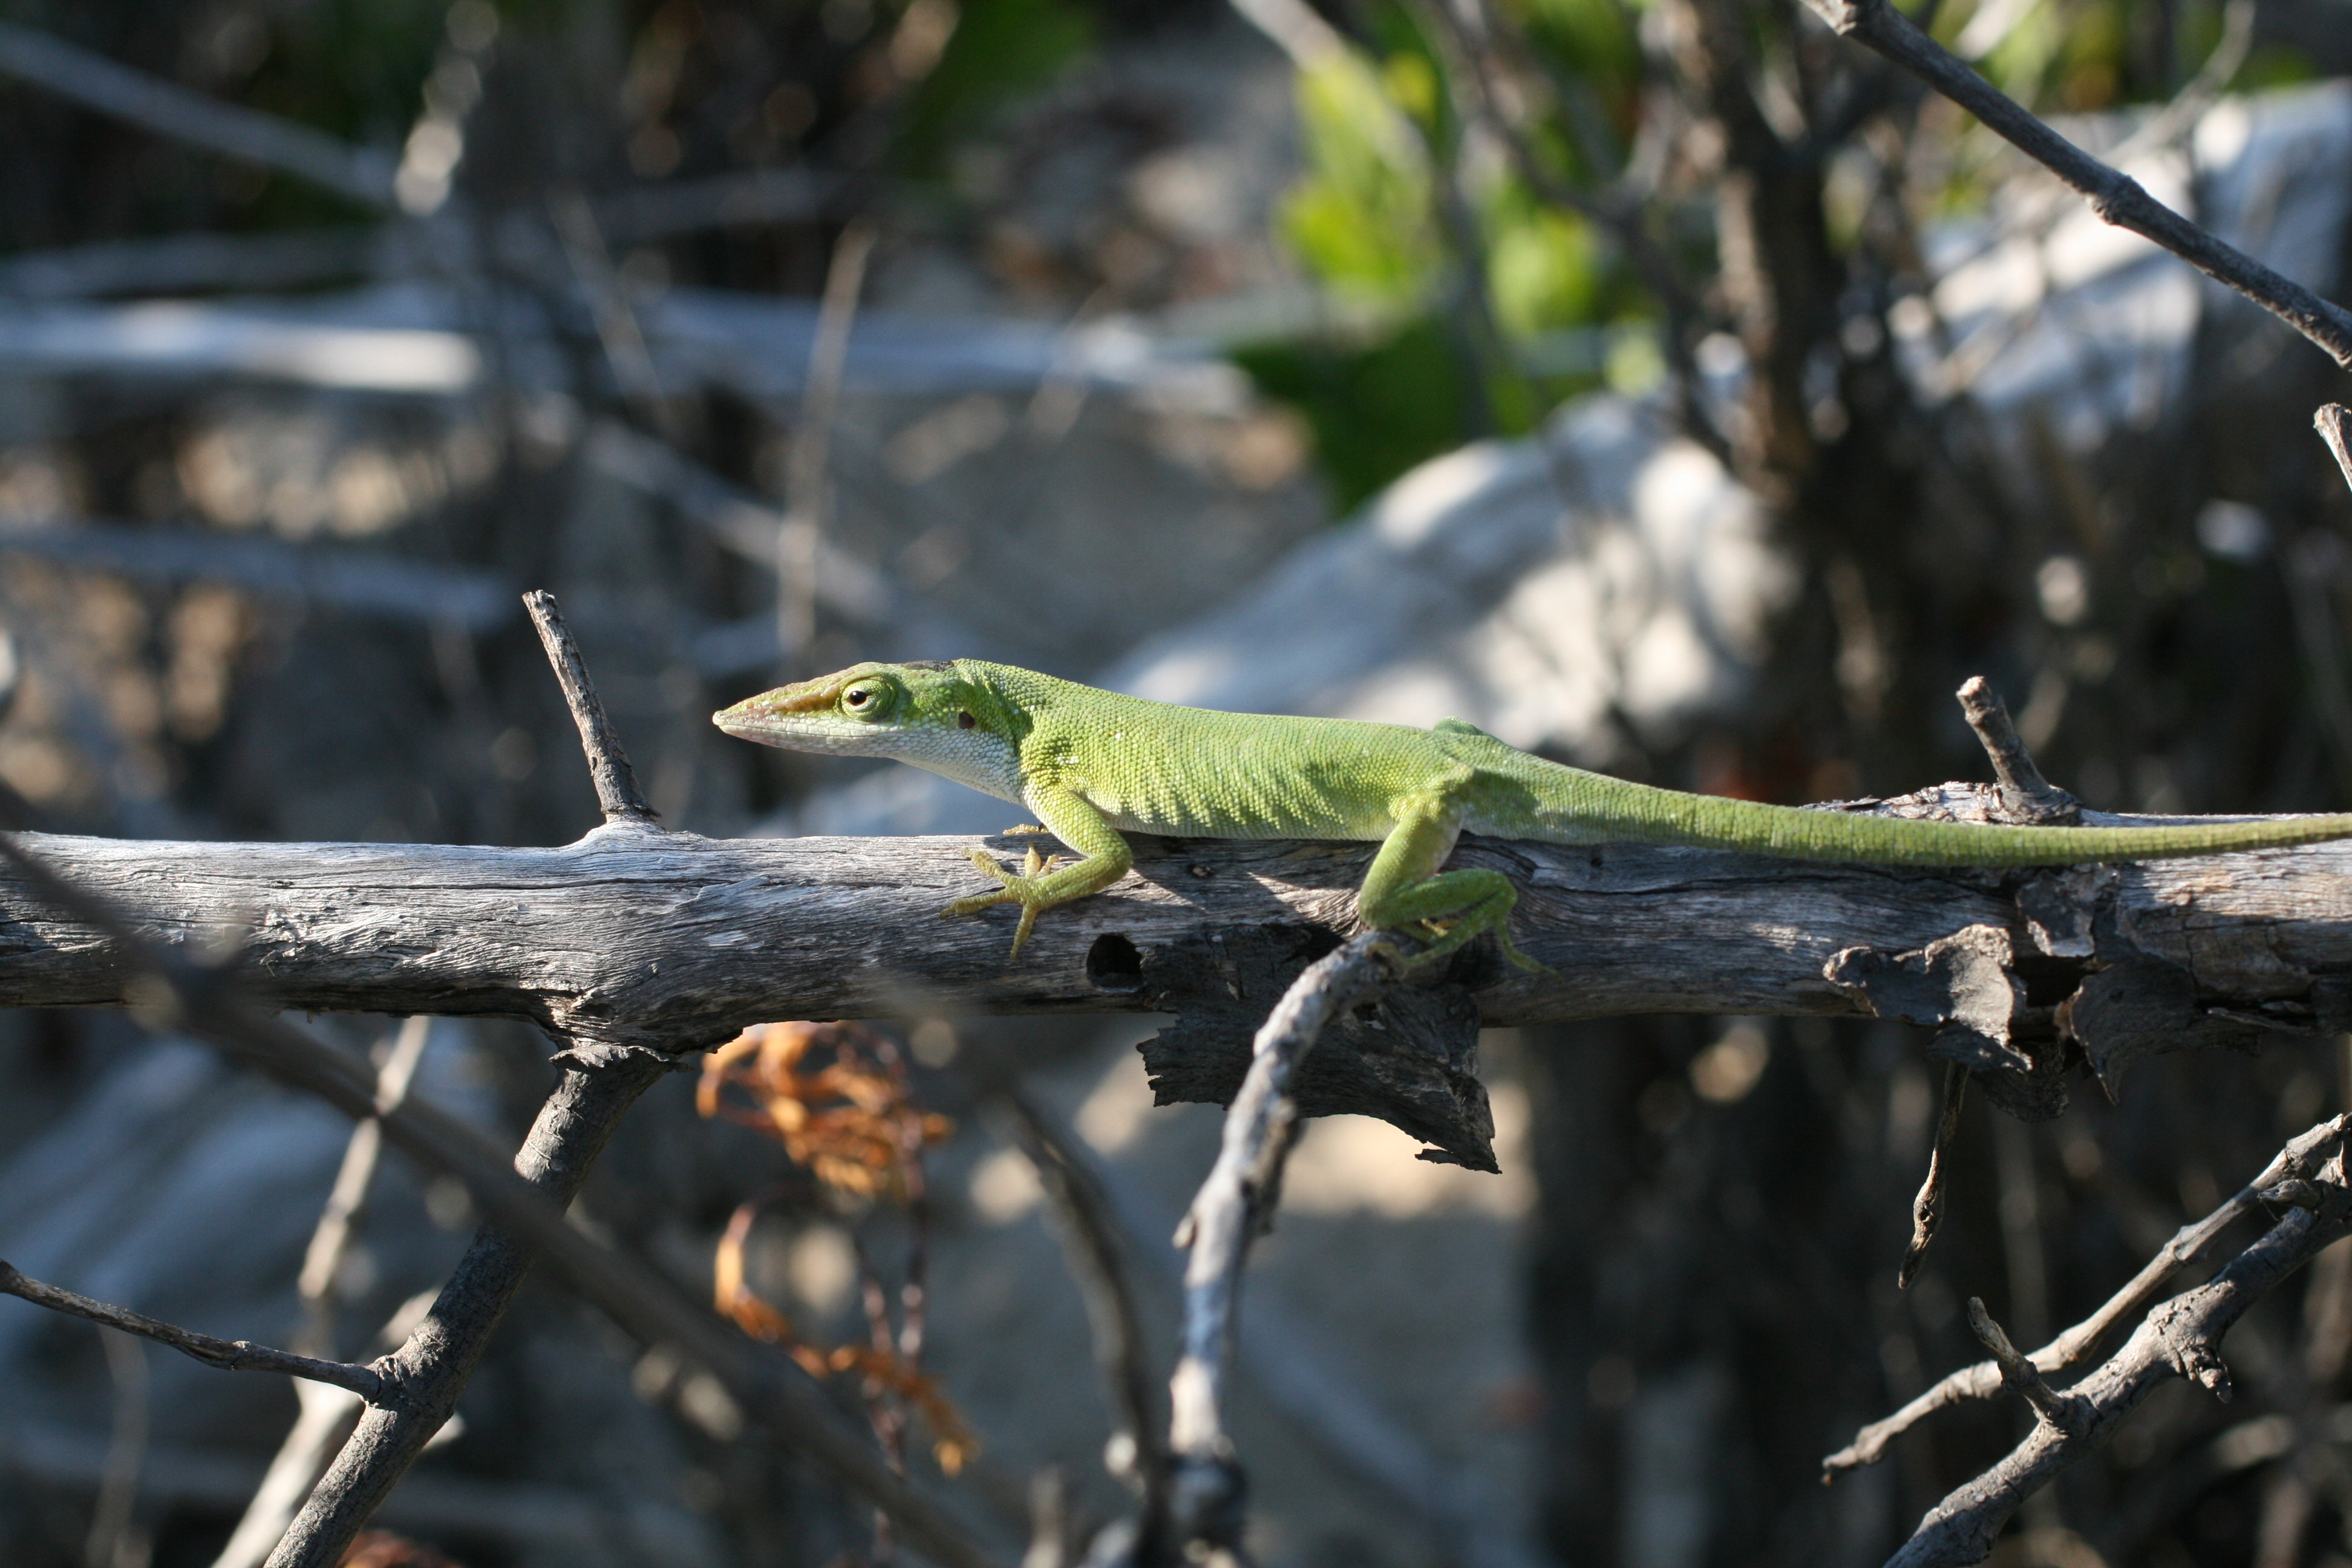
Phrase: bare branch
pixel 330 1239
pixel 2181 1338
pixel 2188 1245
pixel 675 942
pixel 191 262
pixel 228 1355
pixel 1235 1203
pixel 169 109
pixel 2117 197
pixel 616 782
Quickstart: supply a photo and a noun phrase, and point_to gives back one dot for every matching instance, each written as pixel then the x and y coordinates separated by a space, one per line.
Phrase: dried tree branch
pixel 331 1240
pixel 326 1415
pixel 228 1355
pixel 2117 198
pixel 678 942
pixel 616 782
pixel 2188 1245
pixel 2181 1338
pixel 91 79
pixel 1235 1203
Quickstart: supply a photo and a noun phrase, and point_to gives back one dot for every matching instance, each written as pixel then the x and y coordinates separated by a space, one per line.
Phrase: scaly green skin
pixel 1092 763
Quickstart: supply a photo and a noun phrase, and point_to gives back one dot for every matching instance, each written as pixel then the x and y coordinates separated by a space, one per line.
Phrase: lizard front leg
pixel 1039 885
pixel 1405 887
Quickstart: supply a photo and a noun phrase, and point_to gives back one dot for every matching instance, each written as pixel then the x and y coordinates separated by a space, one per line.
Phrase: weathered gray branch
pixel 617 795
pixel 2188 1245
pixel 675 942
pixel 2180 1338
pixel 2031 799
pixel 372 582
pixel 228 1355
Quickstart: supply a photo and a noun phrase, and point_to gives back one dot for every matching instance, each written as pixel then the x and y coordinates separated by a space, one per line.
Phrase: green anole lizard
pixel 1092 764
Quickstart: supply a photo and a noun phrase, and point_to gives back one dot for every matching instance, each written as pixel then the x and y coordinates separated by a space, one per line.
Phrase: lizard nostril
pixel 965 720
pixel 1114 965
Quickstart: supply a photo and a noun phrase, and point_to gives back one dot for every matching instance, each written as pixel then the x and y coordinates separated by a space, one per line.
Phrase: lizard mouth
pixel 773 712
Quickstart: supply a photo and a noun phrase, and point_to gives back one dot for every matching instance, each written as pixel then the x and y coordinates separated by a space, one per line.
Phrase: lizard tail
pixel 1622 811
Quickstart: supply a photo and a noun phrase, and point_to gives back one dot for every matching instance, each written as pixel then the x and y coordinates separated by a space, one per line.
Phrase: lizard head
pixel 931 714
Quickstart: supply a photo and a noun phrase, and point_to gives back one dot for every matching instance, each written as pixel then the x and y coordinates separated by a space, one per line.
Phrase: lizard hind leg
pixel 1405 888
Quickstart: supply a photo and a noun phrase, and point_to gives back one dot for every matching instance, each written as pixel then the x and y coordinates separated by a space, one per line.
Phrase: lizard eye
pixel 858 698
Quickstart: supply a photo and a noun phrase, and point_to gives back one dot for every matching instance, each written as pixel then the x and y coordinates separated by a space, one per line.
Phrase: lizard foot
pixel 1445 938
pixel 1020 888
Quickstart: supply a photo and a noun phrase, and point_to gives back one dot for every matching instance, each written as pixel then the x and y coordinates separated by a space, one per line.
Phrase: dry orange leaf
pixel 849 1120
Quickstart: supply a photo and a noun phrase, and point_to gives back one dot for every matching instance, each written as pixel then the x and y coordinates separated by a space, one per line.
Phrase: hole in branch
pixel 1114 965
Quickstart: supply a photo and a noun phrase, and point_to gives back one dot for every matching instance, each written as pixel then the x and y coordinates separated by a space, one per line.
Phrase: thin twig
pixel 2187 1244
pixel 2117 198
pixel 608 764
pixel 1927 1209
pixel 326 1415
pixel 807 485
pixel 1234 1204
pixel 2023 788
pixel 331 1239
pixel 2335 423
pixel 1089 1229
pixel 170 110
pixel 228 1355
